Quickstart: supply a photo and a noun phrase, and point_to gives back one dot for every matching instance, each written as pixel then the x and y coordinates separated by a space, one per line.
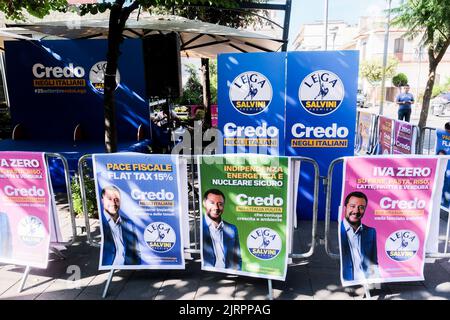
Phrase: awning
pixel 198 39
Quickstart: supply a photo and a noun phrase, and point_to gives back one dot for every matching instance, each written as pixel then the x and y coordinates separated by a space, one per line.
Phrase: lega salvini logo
pixel 402 245
pixel 160 237
pixel 321 92
pixel 264 243
pixel 97 76
pixel 250 93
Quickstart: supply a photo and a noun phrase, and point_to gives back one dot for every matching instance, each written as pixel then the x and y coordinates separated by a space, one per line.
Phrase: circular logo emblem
pixel 251 93
pixel 264 243
pixel 97 76
pixel 402 245
pixel 160 237
pixel 31 230
pixel 321 92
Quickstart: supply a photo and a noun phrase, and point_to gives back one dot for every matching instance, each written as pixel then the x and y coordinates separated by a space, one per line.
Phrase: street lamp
pixel 325 38
pixel 386 42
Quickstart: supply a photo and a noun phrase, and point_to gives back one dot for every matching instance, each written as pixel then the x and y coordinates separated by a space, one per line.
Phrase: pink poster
pixel 385 127
pixel 385 210
pixel 24 209
pixel 403 138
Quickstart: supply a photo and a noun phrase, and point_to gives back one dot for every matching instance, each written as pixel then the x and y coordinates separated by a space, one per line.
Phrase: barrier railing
pixel 69 195
pixel 195 202
pixel 427 140
pixel 416 137
pixel 372 133
pixel 71 212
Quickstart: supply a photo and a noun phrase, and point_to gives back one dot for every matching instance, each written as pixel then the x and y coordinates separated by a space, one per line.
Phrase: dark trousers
pixel 404 114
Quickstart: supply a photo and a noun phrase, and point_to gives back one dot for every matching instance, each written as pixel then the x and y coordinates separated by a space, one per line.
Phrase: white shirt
pixel 354 242
pixel 217 240
pixel 116 231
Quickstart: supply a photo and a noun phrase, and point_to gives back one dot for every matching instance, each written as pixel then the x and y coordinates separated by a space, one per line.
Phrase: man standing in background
pixel 404 101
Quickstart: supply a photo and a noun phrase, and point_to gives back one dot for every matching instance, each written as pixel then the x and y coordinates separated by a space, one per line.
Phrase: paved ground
pixel 316 278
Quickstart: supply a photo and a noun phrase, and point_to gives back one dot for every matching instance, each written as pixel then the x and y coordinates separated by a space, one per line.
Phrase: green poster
pixel 244 218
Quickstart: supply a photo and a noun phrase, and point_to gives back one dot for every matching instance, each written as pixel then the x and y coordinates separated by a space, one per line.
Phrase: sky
pixel 307 11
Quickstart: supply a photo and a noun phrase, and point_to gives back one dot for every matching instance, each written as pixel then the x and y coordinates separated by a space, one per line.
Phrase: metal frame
pixel 69 195
pixel 315 208
pixel 372 134
pixel 422 139
pixel 191 160
pixel 438 255
pixel 48 155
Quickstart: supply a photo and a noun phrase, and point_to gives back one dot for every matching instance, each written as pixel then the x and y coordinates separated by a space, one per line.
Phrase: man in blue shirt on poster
pixel 120 242
pixel 404 101
pixel 221 247
pixel 359 260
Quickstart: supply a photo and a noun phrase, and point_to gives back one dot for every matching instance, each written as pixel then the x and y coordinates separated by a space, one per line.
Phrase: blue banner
pixel 443 148
pixel 320 113
pixel 56 85
pixel 138 198
pixel 251 102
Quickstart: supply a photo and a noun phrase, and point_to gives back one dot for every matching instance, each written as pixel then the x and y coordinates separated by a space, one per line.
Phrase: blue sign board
pixel 138 199
pixel 56 85
pixel 252 102
pixel 320 113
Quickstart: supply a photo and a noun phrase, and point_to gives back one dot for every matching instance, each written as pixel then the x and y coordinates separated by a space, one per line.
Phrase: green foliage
pixel 192 91
pixel 91 201
pixel 15 9
pixel 399 80
pixel 443 88
pixel 430 20
pixel 213 80
pixel 372 70
pixel 212 12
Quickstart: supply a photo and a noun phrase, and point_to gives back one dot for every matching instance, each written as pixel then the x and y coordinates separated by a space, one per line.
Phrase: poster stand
pixel 367 291
pixel 196 249
pixel 24 278
pixel 270 289
pixel 108 282
pixel 71 213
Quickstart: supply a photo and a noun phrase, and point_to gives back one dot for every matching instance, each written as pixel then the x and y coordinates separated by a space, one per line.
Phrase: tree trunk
pixel 432 66
pixel 109 102
pixel 427 95
pixel 117 19
pixel 206 92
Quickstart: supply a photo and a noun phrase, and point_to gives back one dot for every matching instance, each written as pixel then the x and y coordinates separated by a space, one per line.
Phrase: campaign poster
pixel 251 99
pixel 25 205
pixel 245 215
pixel 385 127
pixel 321 89
pixel 385 216
pixel 138 198
pixel 364 132
pixel 404 138
pixel 442 147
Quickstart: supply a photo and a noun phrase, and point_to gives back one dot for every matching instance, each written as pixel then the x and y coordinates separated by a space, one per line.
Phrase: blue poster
pixel 320 113
pixel 443 148
pixel 56 85
pixel 138 198
pixel 252 102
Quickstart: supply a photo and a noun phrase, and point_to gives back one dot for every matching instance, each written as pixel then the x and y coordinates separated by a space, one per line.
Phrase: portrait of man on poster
pixel 221 247
pixel 120 242
pixel 358 241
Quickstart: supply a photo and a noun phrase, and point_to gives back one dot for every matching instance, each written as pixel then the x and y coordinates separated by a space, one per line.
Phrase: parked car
pixel 360 99
pixel 440 105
